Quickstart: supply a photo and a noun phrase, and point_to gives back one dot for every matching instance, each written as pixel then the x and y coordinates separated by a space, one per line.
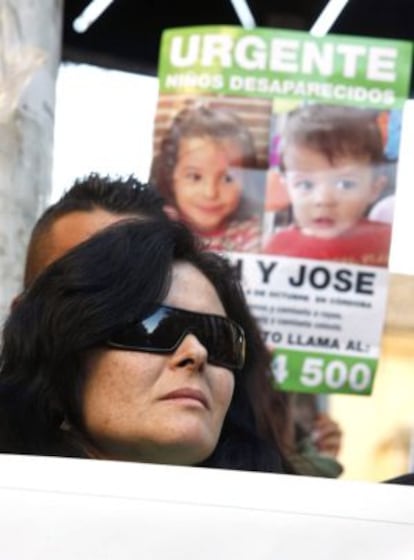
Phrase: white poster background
pixel 95 510
pixel 315 299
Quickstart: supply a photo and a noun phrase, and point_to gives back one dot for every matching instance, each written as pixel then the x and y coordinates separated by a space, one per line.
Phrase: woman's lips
pixel 187 393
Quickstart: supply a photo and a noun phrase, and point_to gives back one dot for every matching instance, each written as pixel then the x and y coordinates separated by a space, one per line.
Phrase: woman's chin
pixel 173 449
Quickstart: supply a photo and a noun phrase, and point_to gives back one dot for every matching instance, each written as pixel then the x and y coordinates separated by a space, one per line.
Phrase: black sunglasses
pixel 162 330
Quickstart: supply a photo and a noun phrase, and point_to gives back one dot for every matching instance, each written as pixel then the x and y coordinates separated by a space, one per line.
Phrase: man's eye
pixel 345 184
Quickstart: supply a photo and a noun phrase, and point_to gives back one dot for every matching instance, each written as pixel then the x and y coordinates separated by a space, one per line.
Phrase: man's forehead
pixel 63 234
pixel 74 228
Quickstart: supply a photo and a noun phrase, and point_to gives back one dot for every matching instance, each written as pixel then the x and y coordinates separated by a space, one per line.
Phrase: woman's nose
pixel 190 354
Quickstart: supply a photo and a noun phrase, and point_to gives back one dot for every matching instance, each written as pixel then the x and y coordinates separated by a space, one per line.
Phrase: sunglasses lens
pixel 223 339
pixel 144 334
pixel 163 330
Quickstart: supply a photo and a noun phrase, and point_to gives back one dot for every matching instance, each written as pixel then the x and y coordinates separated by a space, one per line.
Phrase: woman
pixel 135 345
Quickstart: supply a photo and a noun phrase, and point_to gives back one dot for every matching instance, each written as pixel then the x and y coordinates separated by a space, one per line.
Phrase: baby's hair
pixel 335 131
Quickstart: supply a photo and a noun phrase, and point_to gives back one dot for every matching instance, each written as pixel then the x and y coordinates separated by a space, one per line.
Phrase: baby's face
pixel 329 198
pixel 207 181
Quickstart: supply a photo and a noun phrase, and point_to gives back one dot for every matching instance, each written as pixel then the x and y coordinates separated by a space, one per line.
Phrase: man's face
pixel 328 198
pixel 71 229
pixel 65 233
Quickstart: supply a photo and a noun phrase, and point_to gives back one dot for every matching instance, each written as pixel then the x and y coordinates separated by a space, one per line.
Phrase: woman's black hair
pixel 82 298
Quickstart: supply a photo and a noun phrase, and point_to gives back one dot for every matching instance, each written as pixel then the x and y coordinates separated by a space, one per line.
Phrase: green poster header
pixel 263 62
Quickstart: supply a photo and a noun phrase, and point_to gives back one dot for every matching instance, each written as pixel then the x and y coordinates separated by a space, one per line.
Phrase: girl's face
pixel 161 408
pixel 207 181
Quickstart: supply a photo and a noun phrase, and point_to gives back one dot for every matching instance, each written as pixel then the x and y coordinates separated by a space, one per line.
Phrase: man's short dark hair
pixel 128 197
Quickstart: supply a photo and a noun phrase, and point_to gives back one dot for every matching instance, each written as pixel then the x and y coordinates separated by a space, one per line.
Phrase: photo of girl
pixel 207 170
pixel 333 171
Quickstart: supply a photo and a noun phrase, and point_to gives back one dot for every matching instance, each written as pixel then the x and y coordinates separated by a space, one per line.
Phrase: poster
pixel 97 509
pixel 280 150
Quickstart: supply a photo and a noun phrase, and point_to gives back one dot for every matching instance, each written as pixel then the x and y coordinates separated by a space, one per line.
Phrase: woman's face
pixel 207 181
pixel 160 408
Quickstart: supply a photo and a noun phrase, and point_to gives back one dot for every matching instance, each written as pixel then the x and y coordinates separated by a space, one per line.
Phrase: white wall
pixel 103 122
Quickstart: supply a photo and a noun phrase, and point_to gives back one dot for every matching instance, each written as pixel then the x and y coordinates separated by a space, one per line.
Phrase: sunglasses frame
pixel 237 330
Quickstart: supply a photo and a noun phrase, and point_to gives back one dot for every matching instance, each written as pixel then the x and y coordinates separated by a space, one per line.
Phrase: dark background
pixel 127 35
